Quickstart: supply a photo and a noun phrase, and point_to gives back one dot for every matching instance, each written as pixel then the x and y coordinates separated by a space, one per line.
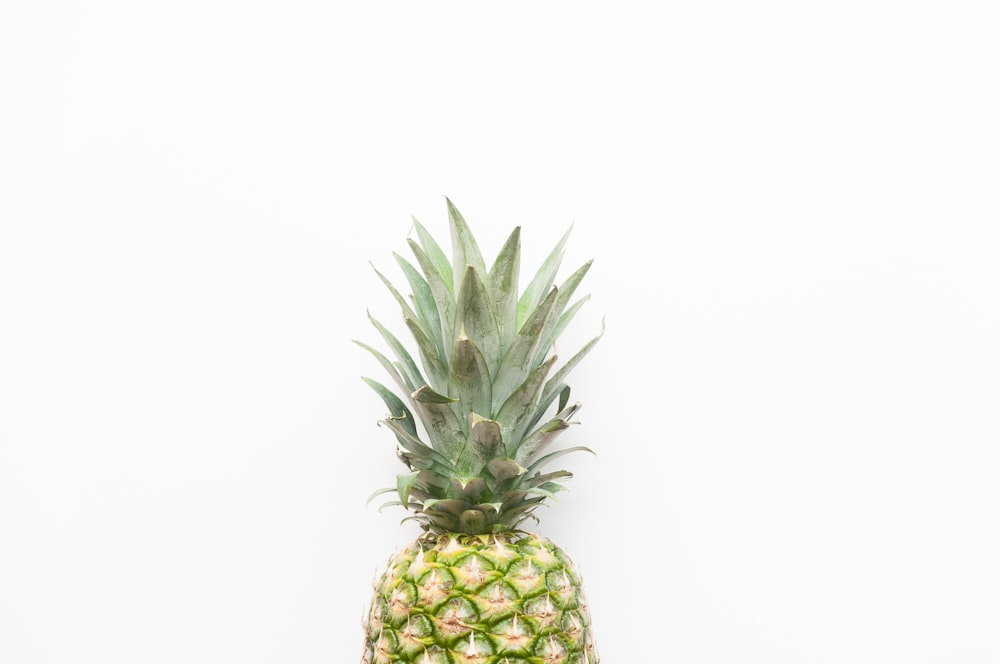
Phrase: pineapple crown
pixel 483 386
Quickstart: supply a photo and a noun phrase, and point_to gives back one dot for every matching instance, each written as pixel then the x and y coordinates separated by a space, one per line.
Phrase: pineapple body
pixel 509 598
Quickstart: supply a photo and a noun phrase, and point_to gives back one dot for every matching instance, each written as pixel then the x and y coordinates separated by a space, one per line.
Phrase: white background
pixel 792 208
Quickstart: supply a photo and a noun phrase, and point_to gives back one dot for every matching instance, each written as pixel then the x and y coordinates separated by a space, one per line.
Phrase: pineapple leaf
pixel 404 484
pixel 470 379
pixel 409 368
pixel 413 444
pixel 555 323
pixel 465 251
pixel 502 469
pixel 515 413
pixel 516 364
pixel 564 320
pixel 555 383
pixel 397 409
pixel 541 461
pixel 473 522
pixel 486 440
pixel 407 310
pixel 541 282
pixel 474 318
pixel 562 391
pixel 390 368
pixel 443 427
pixel 427 395
pixel 547 479
pixel 434 364
pixel 380 492
pixel 423 298
pixel 442 292
pixel 503 284
pixel 545 434
pixel 437 257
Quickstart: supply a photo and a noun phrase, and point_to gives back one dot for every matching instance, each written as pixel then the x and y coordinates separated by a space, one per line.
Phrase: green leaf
pixel 502 469
pixel 411 370
pixel 548 490
pixel 487 442
pixel 448 506
pixel 471 489
pixel 423 298
pixel 541 461
pixel 541 282
pixel 465 251
pixel 404 484
pixel 516 412
pixel 470 380
pixel 442 425
pixel 561 391
pixel 403 305
pixel 475 319
pixel 437 257
pixel 545 434
pixel 389 367
pixel 564 321
pixel 546 480
pixel 413 444
pixel 555 383
pixel 427 395
pixel 503 286
pixel 472 522
pixel 442 292
pixel 380 492
pixel 555 323
pixel 434 364
pixel 516 364
pixel 397 409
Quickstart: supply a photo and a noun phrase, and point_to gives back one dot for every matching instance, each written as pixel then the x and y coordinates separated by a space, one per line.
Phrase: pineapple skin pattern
pixel 474 435
pixel 502 599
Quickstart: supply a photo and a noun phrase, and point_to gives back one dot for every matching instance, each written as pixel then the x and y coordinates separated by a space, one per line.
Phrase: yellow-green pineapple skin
pixel 509 598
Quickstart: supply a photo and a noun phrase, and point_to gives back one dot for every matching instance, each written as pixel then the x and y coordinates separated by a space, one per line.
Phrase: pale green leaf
pixel 555 383
pixel 410 369
pixel 470 380
pixel 516 363
pixel 435 366
pixel 541 461
pixel 486 440
pixel 545 434
pixel 503 285
pixel 502 469
pixel 404 484
pixel 423 299
pixel 437 257
pixel 555 323
pixel 389 367
pixel 397 409
pixel 442 292
pixel 475 319
pixel 541 282
pixel 516 412
pixel 465 251
pixel 442 426
pixel 403 304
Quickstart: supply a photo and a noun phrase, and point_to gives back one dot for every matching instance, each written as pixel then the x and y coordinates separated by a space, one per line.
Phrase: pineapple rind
pixel 495 599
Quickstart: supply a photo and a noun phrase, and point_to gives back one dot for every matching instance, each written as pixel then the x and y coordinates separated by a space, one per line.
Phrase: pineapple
pixel 471 426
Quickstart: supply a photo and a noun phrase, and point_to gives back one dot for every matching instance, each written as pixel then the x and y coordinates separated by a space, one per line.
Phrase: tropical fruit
pixel 474 420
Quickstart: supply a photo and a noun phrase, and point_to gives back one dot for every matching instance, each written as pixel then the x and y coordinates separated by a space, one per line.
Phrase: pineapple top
pixel 483 386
